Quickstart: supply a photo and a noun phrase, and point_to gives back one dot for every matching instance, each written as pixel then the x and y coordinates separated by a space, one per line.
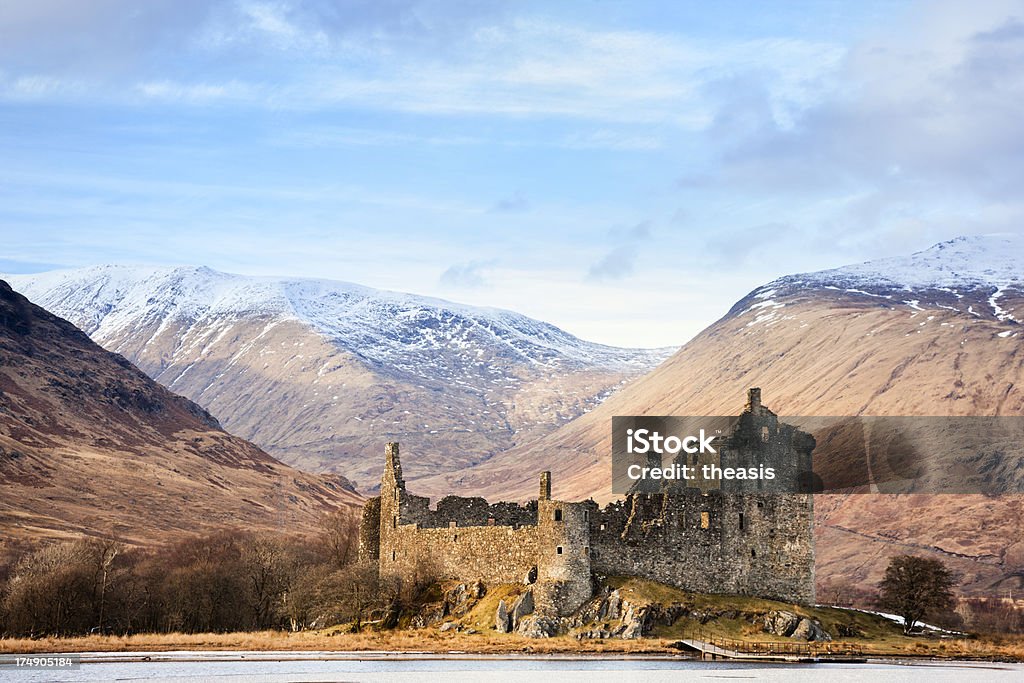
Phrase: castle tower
pixel 392 493
pixel 563 553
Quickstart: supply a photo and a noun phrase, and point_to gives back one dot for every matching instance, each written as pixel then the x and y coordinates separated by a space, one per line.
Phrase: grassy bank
pixel 431 640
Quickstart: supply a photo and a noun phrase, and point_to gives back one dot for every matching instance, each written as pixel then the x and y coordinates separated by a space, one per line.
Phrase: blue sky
pixel 626 170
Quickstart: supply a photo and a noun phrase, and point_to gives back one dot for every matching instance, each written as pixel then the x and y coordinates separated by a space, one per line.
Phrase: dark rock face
pixel 502 622
pixel 14 314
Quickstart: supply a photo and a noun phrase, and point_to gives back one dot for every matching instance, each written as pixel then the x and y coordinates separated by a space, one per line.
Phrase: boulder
pixel 780 622
pixel 635 622
pixel 477 590
pixel 501 620
pixel 537 626
pixel 612 606
pixel 521 607
pixel 430 613
pixel 449 626
pixel 809 629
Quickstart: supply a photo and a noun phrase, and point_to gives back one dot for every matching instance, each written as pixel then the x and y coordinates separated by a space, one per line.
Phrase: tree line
pixel 227 581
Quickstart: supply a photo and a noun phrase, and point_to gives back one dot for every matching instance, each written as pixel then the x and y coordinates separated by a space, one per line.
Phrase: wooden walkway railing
pixel 716 646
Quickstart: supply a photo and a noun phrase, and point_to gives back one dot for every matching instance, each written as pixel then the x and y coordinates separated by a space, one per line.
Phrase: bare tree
pixel 339 536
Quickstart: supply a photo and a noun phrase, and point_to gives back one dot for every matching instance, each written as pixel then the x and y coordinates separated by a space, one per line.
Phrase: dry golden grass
pixel 430 640
pixel 409 640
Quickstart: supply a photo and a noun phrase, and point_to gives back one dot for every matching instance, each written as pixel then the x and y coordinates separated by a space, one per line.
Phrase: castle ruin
pixel 710 541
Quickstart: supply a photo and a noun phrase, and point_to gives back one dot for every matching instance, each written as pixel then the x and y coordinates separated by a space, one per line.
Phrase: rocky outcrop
pixel 539 626
pixel 460 599
pixel 522 607
pixel 502 621
pixel 790 625
pixel 810 630
pixel 780 623
pixel 634 621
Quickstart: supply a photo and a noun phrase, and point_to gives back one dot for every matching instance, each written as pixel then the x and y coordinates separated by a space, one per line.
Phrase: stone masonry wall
pixel 695 541
pixel 498 554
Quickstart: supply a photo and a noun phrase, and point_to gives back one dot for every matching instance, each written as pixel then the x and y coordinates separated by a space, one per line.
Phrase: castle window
pixel 558 550
pixel 586 515
pixel 705 520
pixel 602 527
pixel 753 553
pixel 396 494
pixel 558 514
pixel 741 522
pixel 455 537
pixel 764 434
pixel 394 522
pixel 394 555
pixel 586 550
pixel 760 505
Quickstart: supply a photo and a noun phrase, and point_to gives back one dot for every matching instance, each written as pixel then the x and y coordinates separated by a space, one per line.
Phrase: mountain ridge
pixel 321 372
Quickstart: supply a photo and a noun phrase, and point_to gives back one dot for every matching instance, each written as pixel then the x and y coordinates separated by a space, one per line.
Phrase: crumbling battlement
pixel 716 541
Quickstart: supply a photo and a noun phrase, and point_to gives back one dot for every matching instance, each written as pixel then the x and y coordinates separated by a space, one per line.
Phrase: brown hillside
pixel 89 444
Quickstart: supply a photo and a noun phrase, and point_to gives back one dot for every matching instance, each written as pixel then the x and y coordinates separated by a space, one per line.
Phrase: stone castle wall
pixel 746 544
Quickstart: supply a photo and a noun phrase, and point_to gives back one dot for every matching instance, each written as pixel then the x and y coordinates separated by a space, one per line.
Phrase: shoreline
pixel 278 646
pixel 281 656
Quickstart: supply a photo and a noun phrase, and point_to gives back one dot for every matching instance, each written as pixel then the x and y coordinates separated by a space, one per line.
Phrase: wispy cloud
pixel 466 275
pixel 620 261
pixel 517 203
pixel 285 55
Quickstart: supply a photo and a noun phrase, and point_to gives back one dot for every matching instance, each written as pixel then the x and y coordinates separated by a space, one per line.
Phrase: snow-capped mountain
pixel 395 331
pixel 321 373
pixel 963 263
pixel 976 276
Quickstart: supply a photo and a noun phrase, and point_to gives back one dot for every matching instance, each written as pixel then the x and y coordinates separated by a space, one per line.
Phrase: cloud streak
pixel 620 261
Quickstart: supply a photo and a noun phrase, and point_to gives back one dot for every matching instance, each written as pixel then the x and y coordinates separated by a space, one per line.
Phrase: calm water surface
pixel 228 667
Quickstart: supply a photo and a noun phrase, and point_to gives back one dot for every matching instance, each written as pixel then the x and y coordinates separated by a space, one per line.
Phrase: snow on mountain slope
pixel 964 262
pixel 320 373
pixel 397 331
pixel 980 276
